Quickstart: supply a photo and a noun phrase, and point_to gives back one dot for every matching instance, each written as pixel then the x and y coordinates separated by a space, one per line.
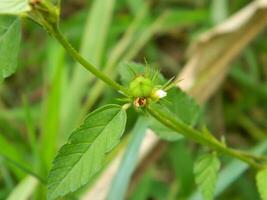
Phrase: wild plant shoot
pixel 132 99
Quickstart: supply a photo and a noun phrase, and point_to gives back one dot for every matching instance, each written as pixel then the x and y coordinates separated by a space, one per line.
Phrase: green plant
pixel 143 88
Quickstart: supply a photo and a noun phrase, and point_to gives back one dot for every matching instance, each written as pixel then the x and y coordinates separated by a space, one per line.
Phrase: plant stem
pixel 201 138
pixel 119 55
pixel 76 56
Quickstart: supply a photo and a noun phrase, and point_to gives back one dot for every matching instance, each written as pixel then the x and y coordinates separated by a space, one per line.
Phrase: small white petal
pixel 160 94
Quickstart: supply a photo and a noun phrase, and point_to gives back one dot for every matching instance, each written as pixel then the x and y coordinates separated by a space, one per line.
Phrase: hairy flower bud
pixel 141 87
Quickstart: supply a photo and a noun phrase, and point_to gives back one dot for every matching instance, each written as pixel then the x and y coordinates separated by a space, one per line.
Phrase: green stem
pixel 199 137
pixel 116 56
pixel 76 56
pixel 119 51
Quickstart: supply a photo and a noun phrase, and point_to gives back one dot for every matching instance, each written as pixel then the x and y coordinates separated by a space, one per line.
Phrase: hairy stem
pixel 201 138
pixel 76 56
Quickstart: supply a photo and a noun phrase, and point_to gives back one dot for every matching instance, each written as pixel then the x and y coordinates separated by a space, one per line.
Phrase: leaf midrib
pixel 7 29
pixel 82 156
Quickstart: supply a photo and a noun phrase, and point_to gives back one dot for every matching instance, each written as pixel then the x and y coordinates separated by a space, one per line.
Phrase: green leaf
pixel 9 45
pixel 232 171
pixel 14 6
pixel 262 183
pixel 178 105
pixel 206 170
pixel 84 153
pixel 182 106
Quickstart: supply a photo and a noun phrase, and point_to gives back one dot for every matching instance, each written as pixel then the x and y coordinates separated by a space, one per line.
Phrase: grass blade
pixel 121 180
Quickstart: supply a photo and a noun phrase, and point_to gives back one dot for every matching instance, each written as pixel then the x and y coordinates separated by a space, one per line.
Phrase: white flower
pixel 160 94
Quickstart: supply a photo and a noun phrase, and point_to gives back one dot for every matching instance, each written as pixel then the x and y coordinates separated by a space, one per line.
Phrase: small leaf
pixel 9 45
pixel 206 170
pixel 262 183
pixel 14 6
pixel 83 155
pixel 231 172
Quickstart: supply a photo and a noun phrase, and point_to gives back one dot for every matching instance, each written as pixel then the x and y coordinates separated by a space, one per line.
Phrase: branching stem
pixel 174 124
pixel 76 56
pixel 201 138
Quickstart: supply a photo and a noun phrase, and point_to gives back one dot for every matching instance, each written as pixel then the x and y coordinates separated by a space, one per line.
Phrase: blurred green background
pixel 50 94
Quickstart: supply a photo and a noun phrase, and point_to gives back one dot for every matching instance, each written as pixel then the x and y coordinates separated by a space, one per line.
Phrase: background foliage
pixel 50 95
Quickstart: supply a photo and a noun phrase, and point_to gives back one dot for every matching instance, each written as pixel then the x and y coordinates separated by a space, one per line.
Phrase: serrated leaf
pixel 232 171
pixel 262 183
pixel 182 106
pixel 178 105
pixel 14 6
pixel 9 45
pixel 206 170
pixel 84 153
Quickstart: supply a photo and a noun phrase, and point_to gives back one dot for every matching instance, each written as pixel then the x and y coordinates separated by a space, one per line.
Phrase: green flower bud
pixel 141 87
